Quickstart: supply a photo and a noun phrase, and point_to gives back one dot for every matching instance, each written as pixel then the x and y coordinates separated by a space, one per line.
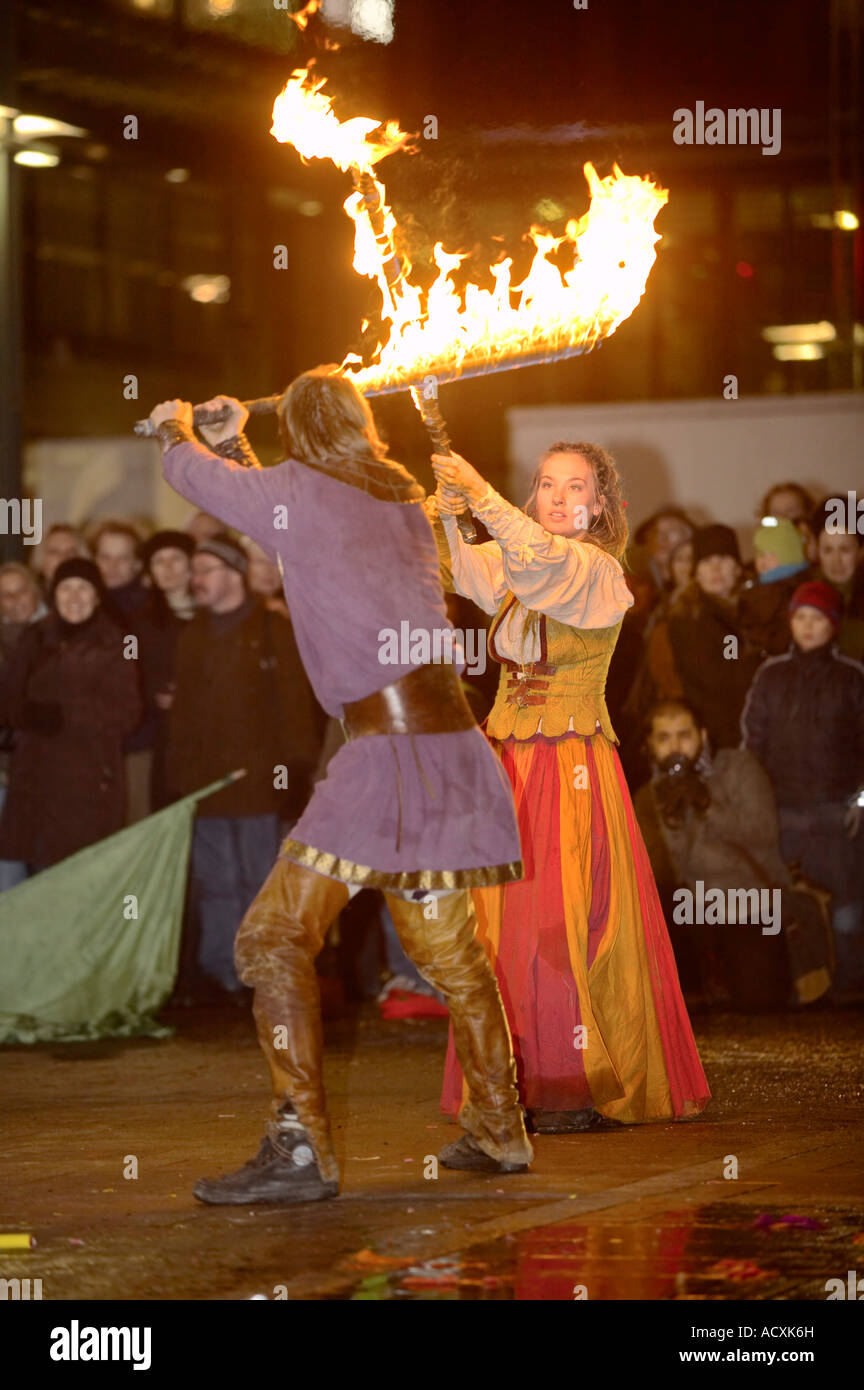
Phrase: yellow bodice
pixel 568 681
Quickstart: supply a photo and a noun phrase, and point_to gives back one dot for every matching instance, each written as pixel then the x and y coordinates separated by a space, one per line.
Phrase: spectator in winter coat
pixel 167 557
pixel 655 542
pixel 117 551
pixel 839 563
pixel 21 604
pixel 712 818
pixel 763 608
pixel 705 660
pixel 71 696
pixel 804 720
pixel 242 701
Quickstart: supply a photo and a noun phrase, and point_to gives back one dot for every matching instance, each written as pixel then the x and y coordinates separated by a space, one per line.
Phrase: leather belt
pixel 429 700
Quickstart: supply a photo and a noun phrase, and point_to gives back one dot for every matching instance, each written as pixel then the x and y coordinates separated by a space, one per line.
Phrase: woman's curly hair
pixel 609 529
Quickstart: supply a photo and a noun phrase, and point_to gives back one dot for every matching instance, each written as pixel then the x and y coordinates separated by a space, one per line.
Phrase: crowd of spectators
pixel 135 670
pixel 737 690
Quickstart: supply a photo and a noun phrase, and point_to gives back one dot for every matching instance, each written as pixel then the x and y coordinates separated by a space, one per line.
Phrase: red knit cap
pixel 815 594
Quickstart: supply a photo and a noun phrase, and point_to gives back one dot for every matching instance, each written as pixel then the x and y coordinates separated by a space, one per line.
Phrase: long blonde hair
pixel 608 530
pixel 323 416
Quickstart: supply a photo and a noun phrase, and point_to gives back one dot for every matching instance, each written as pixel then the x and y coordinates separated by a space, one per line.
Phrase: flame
pixel 302 17
pixel 302 117
pixel 562 307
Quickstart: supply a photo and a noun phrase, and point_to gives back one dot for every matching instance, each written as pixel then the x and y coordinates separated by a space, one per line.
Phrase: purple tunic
pixel 432 811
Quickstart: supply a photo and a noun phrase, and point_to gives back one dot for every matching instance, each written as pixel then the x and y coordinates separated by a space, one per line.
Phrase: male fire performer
pixel 415 803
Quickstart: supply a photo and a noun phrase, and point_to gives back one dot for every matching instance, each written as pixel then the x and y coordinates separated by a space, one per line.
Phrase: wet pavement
pixel 760 1198
pixel 724 1250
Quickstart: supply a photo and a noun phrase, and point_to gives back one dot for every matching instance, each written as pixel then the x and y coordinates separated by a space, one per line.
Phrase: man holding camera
pixel 711 818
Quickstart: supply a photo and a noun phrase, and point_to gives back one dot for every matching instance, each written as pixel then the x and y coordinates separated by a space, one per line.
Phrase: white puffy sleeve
pixel 568 580
pixel 477 571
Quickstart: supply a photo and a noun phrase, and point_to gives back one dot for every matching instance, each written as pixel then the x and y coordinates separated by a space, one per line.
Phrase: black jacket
pixel 71 697
pixel 715 672
pixel 804 720
pixel 763 614
pixel 242 700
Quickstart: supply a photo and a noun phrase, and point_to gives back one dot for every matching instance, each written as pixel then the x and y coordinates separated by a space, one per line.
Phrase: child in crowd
pixel 780 562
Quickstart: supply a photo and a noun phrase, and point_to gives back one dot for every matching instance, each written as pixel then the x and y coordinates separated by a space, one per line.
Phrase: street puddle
pixel 719 1251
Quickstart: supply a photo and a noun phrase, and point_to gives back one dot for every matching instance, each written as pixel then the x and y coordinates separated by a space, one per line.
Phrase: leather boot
pixel 275 951
pixel 448 955
pixel 284 1171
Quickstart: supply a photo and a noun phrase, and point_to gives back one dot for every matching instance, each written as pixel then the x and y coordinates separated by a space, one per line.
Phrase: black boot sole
pixel 213 1195
pixel 590 1126
pixel 490 1167
pixel 474 1160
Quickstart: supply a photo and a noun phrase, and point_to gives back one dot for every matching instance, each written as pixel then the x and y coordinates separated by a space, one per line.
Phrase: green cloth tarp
pixel 76 962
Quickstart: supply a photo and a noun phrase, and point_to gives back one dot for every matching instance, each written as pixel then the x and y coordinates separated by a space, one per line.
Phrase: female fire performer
pixel 580 947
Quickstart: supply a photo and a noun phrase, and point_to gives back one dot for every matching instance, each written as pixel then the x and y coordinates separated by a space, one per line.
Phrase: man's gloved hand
pixel 42 716
pixel 679 788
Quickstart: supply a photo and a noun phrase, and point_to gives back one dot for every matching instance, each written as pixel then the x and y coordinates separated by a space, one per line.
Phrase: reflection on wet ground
pixel 644 1213
pixel 720 1251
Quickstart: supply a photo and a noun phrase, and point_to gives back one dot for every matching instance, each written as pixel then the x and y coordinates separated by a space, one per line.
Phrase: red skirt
pixel 580 947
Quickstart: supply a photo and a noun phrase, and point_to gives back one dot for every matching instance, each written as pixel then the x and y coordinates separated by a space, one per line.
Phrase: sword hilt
pixel 264 405
pixel 430 414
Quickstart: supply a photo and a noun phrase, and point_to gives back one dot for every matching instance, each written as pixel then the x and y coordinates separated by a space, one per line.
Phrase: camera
pixel 679 788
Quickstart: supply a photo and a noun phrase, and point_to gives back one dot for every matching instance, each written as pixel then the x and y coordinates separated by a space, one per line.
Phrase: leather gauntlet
pixel 237 448
pixel 172 432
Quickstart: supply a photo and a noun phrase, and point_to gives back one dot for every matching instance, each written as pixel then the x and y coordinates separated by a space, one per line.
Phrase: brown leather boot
pixel 275 951
pixel 448 955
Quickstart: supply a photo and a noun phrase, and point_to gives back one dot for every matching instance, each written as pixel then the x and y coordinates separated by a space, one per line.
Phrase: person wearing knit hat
pixel 226 549
pixel 804 720
pixel 221 587
pixel 715 540
pixel 764 604
pixel 167 559
pixel 702 653
pixel 822 599
pixel 74 601
pixel 71 696
pixel 779 548
pixel 166 540
pixel 716 560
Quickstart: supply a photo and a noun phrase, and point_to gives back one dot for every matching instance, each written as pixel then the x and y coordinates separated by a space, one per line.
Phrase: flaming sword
pixel 439 335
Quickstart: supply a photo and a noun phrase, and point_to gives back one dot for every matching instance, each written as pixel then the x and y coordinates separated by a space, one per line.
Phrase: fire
pixel 564 306
pixel 302 17
pixel 302 117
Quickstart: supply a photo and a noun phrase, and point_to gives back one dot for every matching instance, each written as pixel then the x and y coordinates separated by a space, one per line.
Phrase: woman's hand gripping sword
pixel 458 482
pixel 451 500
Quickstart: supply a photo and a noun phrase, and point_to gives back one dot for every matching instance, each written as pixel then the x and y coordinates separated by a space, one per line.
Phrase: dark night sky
pixel 617 61
pixel 504 79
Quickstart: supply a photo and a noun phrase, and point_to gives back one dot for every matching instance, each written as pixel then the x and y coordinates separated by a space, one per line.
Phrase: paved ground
pixel 642 1213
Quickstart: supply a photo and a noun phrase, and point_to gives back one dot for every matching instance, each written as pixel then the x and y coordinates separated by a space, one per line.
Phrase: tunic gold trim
pixel 441 880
